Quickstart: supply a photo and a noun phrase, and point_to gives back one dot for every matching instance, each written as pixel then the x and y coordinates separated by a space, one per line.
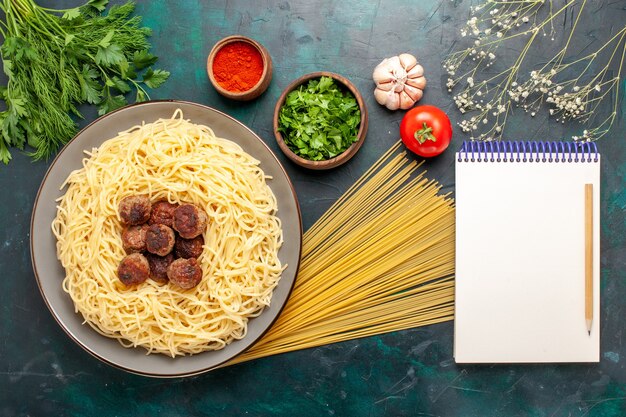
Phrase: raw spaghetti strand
pixel 174 160
pixel 381 259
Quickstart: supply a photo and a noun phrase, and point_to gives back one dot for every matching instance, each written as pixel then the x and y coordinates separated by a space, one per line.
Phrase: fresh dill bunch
pixel 56 60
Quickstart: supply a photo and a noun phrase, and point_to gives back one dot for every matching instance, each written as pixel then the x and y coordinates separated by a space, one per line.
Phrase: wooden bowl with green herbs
pixel 320 120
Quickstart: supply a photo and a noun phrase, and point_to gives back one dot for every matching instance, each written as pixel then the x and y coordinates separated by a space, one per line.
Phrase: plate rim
pixel 83 345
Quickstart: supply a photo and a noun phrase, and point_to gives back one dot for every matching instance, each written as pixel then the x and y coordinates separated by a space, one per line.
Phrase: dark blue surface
pixel 409 373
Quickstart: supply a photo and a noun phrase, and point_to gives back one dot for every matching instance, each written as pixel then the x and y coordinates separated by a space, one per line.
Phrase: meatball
pixel 158 266
pixel 189 248
pixel 135 210
pixel 134 269
pixel 134 238
pixel 189 221
pixel 162 213
pixel 185 273
pixel 159 239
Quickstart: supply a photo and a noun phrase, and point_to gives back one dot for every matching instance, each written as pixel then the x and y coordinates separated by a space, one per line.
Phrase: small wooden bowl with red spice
pixel 239 68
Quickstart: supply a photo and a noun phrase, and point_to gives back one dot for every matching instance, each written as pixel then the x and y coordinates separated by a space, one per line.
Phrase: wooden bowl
pixel 343 157
pixel 259 87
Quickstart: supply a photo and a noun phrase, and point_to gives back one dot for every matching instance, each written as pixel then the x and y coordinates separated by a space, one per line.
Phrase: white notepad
pixel 520 253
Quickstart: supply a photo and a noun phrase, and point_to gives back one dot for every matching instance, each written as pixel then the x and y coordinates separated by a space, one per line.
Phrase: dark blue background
pixel 409 373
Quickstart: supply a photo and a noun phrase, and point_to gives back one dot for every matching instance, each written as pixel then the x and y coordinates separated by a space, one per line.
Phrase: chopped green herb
pixel 56 60
pixel 318 120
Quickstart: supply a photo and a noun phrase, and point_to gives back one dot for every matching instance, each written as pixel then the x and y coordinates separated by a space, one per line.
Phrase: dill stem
pixel 571 33
pixel 595 54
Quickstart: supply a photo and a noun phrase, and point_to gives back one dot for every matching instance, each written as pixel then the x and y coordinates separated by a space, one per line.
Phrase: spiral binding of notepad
pixel 527 151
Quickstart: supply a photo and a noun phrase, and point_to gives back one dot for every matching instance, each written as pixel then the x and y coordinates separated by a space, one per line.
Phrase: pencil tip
pixel 589 331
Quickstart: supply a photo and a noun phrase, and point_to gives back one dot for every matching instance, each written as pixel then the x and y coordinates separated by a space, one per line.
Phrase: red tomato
pixel 426 130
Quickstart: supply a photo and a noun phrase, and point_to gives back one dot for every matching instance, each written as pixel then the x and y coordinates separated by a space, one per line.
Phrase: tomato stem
pixel 424 134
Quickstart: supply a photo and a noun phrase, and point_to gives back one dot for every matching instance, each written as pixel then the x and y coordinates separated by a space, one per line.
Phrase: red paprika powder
pixel 238 66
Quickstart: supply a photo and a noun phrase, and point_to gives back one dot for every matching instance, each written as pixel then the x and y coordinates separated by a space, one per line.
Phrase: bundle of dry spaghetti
pixel 379 260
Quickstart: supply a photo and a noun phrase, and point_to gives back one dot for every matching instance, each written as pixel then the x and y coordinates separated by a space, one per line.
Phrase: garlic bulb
pixel 399 82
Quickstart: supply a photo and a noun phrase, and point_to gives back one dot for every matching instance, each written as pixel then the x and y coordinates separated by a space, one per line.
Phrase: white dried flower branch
pixel 486 100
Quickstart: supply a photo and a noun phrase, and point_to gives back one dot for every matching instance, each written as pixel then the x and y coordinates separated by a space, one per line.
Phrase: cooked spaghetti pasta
pixel 381 259
pixel 178 161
